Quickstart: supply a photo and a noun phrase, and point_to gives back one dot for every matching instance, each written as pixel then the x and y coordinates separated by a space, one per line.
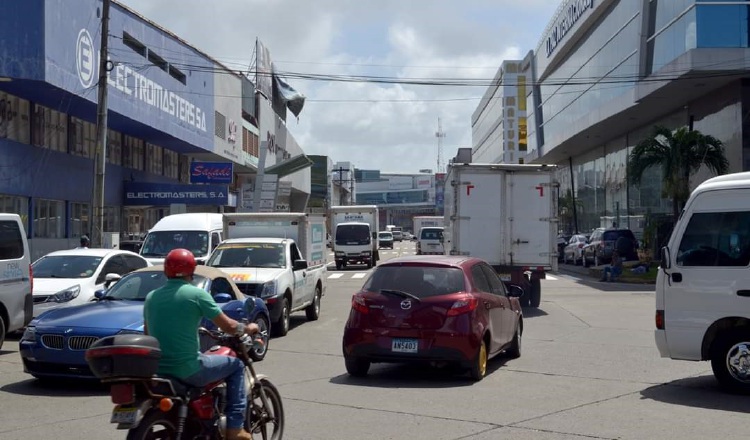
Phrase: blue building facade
pixel 162 116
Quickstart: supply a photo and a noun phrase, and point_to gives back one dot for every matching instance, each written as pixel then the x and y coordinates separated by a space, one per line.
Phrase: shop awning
pixel 289 166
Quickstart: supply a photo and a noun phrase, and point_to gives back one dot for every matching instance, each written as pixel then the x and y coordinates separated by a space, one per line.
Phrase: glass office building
pixel 605 72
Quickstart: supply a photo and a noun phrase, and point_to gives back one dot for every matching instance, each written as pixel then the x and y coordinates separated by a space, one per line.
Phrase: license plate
pixel 124 414
pixel 402 345
pixel 504 276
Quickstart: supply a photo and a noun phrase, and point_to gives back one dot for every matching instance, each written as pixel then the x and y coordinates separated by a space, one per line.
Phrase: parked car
pixel 562 241
pixel 385 240
pixel 433 308
pixel 604 241
pixel 573 251
pixel 54 343
pixel 70 277
pixel 131 245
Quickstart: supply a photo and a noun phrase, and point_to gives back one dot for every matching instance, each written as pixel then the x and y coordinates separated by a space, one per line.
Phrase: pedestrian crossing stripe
pixel 550 277
pixel 333 276
pixel 359 275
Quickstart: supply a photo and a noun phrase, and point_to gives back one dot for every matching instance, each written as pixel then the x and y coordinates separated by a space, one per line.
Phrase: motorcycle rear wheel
pixel 154 425
pixel 266 423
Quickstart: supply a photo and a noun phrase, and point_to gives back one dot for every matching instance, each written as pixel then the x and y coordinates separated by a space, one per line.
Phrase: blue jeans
pixel 215 368
pixel 613 272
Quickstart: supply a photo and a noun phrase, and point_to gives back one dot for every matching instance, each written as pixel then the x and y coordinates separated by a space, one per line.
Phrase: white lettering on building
pixel 572 13
pixel 135 84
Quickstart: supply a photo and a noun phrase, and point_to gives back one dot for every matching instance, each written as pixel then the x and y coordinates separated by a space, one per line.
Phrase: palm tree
pixel 679 154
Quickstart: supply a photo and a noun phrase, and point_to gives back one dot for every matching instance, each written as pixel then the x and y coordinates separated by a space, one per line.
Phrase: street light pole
pixel 100 158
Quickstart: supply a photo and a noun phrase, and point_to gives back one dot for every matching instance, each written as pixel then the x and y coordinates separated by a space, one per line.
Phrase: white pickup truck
pixel 278 257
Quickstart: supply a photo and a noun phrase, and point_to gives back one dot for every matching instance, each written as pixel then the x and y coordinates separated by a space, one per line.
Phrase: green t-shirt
pixel 173 313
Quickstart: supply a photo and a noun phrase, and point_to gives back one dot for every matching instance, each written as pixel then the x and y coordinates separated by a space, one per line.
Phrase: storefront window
pixel 49 218
pixel 16 205
pixel 111 219
pixel 14 118
pixel 79 219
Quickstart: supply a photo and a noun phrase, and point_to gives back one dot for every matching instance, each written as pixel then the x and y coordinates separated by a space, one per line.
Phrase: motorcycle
pixel 153 407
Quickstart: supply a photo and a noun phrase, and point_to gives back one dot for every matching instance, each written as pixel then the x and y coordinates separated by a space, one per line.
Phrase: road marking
pixel 333 276
pixel 550 277
pixel 359 275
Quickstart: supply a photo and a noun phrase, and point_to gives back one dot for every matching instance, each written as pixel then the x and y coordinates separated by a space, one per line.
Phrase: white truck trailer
pixel 278 257
pixel 507 216
pixel 355 235
pixel 422 221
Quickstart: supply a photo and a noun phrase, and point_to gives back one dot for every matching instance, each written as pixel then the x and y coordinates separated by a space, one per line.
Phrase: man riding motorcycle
pixel 172 314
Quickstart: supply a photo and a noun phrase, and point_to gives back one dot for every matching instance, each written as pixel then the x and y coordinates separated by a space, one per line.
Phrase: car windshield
pixel 248 255
pixel 421 281
pixel 352 234
pixel 385 236
pixel 159 243
pixel 431 233
pixel 136 286
pixel 66 266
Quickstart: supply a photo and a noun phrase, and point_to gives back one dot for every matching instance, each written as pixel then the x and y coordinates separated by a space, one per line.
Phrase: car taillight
pixel 122 393
pixel 358 304
pixel 660 319
pixel 463 306
pixel 31 278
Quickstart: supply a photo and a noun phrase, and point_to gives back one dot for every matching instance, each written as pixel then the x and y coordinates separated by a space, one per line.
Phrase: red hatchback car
pixel 433 308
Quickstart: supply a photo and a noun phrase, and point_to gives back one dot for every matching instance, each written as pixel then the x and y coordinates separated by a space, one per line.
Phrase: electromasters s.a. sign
pixel 570 15
pixel 165 194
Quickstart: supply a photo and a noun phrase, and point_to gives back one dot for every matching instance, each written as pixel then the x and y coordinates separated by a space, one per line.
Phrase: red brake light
pixel 122 393
pixel 462 306
pixel 358 304
pixel 659 319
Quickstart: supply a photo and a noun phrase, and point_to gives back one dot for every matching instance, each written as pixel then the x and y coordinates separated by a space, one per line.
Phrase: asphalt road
pixel 589 370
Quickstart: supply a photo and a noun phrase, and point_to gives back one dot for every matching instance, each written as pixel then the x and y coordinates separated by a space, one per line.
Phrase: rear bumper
pixel 660 337
pixel 432 346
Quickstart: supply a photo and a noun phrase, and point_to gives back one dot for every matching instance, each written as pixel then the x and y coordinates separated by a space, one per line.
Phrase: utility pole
pixel 440 135
pixel 341 180
pixel 100 158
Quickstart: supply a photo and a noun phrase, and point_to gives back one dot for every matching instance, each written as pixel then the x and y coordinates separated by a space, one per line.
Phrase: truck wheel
pixel 313 310
pixel 730 360
pixel 369 264
pixel 281 327
pixel 535 298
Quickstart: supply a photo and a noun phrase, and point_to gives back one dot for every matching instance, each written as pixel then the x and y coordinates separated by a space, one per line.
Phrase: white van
pixel 703 285
pixel 199 233
pixel 430 240
pixel 16 282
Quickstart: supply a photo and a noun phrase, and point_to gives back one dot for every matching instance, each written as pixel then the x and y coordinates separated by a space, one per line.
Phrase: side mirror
pixel 111 278
pixel 249 307
pixel 299 265
pixel 200 262
pixel 99 294
pixel 665 262
pixel 222 298
pixel 515 291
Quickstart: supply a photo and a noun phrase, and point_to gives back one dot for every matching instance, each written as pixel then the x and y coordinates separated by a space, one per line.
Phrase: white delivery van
pixel 430 240
pixel 355 235
pixel 703 284
pixel 198 232
pixel 16 282
pixel 423 221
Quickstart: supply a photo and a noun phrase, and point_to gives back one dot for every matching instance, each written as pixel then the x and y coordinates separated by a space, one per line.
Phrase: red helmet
pixel 179 263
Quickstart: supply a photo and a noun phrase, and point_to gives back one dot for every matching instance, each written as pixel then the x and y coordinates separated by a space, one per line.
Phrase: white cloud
pixel 394 128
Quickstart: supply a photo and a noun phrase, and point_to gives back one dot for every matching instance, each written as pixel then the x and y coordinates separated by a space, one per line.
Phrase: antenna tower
pixel 439 135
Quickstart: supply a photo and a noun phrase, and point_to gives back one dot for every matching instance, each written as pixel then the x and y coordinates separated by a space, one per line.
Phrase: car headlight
pixel 67 294
pixel 366 253
pixel 268 290
pixel 29 335
pixel 340 253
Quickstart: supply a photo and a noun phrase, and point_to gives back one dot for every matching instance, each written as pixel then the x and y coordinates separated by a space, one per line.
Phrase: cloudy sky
pixel 383 126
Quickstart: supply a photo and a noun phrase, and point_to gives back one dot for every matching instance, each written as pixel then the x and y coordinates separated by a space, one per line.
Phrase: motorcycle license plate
pixel 125 414
pixel 402 345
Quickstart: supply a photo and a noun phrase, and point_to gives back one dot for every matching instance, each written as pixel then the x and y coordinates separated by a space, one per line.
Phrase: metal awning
pixel 289 166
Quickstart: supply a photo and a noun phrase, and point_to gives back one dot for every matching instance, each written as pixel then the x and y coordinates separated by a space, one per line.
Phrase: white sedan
pixel 70 277
pixel 573 251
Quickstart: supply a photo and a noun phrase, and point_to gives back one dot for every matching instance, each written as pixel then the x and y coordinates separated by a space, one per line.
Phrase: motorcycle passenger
pixel 172 314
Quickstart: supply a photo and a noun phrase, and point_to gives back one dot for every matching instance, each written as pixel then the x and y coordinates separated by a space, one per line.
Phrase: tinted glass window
pixel 423 281
pixel 159 243
pixel 215 240
pixel 431 233
pixel 248 255
pixel 11 240
pixel 352 234
pixel 67 266
pixel 221 285
pixel 480 281
pixel 715 239
pixel 136 286
pixel 134 263
pixel 385 236
pixel 614 235
pixel 495 284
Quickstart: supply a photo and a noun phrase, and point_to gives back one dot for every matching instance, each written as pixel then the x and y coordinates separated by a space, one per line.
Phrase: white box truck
pixel 421 221
pixel 278 257
pixel 505 215
pixel 355 235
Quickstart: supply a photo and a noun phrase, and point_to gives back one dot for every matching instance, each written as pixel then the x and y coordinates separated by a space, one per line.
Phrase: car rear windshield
pixel 66 266
pixel 422 281
pixel 11 241
pixel 614 235
pixel 431 233
pixel 385 236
